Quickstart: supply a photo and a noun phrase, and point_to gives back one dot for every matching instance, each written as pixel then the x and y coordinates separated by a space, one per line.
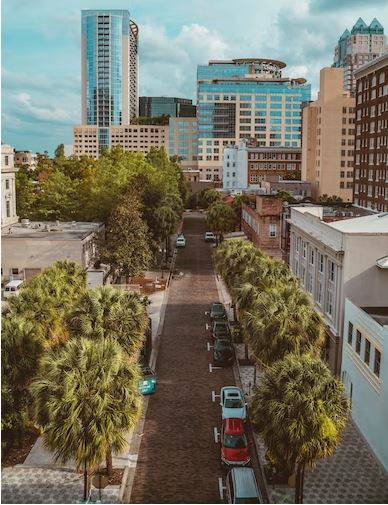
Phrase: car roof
pixel 218 303
pixel 233 426
pixel 232 391
pixel 245 484
pixel 14 284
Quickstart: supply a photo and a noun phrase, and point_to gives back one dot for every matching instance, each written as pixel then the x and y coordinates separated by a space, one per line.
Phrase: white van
pixel 12 288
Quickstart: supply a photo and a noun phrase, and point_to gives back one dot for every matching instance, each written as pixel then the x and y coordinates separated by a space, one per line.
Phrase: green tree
pixel 22 346
pixel 106 312
pixel 208 197
pixel 221 218
pixel 25 194
pixel 60 151
pixel 126 247
pixel 285 196
pixel 58 197
pixel 47 299
pixel 280 321
pixel 330 199
pixel 86 400
pixel 300 410
pixel 237 204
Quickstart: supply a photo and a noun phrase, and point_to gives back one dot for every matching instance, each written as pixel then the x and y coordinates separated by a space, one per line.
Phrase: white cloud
pixel 42 112
pixel 168 64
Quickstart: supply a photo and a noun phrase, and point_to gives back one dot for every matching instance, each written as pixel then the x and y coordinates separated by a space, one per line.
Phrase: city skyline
pixel 41 85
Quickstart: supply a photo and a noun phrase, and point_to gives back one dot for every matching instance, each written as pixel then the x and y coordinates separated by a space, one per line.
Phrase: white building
pixel 235 166
pixel 29 247
pixel 8 189
pixel 365 371
pixel 336 260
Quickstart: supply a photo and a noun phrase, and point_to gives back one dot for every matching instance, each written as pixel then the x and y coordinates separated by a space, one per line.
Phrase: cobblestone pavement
pixel 22 484
pixel 351 475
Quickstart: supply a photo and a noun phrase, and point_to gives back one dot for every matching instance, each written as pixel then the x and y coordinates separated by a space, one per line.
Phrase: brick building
pixel 261 222
pixel 371 150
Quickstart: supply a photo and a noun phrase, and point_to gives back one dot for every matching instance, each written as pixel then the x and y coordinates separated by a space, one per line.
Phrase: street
pixel 179 461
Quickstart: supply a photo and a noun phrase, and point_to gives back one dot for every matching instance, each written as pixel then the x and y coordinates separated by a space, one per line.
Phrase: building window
pixel 376 368
pixel 6 160
pixel 6 183
pixel 272 230
pixel 358 341
pixel 367 352
pixel 350 333
pixel 14 271
pixel 320 263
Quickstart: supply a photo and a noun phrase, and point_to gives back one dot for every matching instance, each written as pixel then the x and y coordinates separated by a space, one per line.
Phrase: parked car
pixel 147 384
pixel 180 241
pixel 221 329
pixel 12 288
pixel 241 486
pixel 217 311
pixel 209 236
pixel 233 403
pixel 234 443
pixel 223 352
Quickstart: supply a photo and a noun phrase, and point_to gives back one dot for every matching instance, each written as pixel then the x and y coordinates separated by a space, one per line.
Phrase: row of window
pixel 366 357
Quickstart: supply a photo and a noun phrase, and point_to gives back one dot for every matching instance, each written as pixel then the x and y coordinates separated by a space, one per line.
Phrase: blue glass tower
pixel 109 69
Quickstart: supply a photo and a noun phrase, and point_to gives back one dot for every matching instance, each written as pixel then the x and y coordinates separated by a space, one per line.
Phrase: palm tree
pixel 106 312
pixel 221 218
pixel 86 399
pixel 300 410
pixel 22 346
pixel 280 321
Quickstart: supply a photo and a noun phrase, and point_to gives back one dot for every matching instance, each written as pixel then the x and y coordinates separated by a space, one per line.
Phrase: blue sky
pixel 41 50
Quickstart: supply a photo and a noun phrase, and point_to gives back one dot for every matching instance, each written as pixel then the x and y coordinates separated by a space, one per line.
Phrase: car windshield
pixel 223 345
pixel 233 403
pixel 220 328
pixel 235 441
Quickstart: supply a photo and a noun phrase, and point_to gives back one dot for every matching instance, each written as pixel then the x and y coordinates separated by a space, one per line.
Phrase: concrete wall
pixel 24 253
pixel 364 282
pixel 369 393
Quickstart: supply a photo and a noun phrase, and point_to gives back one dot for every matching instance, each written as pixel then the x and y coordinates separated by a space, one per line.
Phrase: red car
pixel 234 443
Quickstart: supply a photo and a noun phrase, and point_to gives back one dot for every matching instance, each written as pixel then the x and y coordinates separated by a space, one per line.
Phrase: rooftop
pixel 379 314
pixel 375 223
pixel 50 230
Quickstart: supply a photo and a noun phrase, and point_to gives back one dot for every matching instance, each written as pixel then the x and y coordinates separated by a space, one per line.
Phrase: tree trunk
pixel 109 463
pixel 302 484
pixel 299 483
pixel 246 351
pixel 85 481
pixel 167 249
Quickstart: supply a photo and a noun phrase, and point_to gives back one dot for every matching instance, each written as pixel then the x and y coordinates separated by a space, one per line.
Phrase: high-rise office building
pixel 182 142
pixel 359 46
pixel 246 98
pixel 109 70
pixel 156 106
pixel 328 138
pixel 371 149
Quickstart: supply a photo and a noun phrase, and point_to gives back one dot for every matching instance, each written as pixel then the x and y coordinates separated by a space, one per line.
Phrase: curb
pixel 237 376
pixel 134 444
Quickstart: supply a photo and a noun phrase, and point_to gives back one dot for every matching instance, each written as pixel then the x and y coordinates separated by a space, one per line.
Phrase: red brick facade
pixel 262 224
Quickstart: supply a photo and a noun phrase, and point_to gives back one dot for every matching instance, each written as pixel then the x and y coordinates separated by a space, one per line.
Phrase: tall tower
pixel 359 46
pixel 109 68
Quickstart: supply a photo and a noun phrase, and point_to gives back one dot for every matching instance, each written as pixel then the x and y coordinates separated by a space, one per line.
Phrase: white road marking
pixel 216 435
pixel 210 368
pixel 209 346
pixel 207 326
pixel 221 488
pixel 214 396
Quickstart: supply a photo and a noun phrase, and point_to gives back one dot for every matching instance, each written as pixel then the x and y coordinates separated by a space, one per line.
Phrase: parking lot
pixel 179 460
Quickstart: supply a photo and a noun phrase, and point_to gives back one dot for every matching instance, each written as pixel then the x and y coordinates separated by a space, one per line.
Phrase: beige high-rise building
pixel 328 138
pixel 133 137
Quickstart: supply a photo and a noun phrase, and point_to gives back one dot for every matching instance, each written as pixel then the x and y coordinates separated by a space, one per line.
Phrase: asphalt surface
pixel 179 461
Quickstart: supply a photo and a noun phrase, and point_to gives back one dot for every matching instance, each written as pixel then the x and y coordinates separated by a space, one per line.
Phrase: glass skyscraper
pixel 156 106
pixel 246 98
pixel 109 69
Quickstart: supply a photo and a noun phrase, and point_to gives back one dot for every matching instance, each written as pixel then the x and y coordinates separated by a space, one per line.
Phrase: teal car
pixel 180 241
pixel 147 384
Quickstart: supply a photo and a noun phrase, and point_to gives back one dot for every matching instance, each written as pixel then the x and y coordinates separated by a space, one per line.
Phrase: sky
pixel 41 57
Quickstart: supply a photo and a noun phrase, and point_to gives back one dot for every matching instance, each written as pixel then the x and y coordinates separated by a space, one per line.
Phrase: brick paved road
pixel 179 461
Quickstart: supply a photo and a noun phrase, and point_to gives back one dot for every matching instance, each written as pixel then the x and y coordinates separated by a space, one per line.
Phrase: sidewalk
pixel 352 475
pixel 41 480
